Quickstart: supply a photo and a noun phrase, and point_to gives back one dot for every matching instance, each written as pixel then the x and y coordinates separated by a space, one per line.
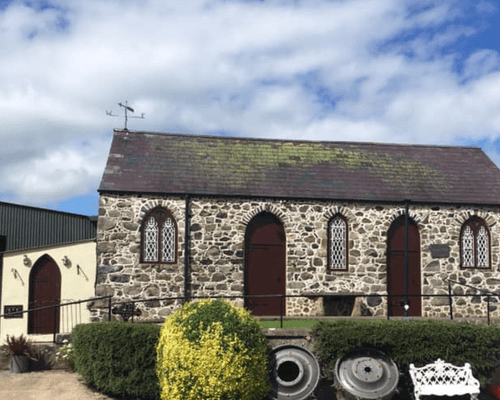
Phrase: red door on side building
pixel 45 290
pixel 265 269
pixel 395 268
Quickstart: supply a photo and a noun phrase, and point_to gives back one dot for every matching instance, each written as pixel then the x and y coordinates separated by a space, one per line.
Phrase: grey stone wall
pixel 119 271
pixel 217 232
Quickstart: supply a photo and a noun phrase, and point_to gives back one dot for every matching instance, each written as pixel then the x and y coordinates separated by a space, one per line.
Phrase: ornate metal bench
pixel 444 379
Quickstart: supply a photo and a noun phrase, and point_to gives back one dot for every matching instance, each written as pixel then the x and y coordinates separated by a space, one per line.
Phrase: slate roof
pixel 145 162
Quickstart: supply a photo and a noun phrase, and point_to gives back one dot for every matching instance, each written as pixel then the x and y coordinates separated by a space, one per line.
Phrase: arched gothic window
pixel 337 243
pixel 475 244
pixel 159 237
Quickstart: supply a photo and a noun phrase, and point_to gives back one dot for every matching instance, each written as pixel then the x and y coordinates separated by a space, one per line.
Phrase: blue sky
pixel 395 71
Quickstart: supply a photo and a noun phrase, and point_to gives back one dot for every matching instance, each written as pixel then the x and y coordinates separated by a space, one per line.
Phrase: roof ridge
pixel 45 209
pixel 282 140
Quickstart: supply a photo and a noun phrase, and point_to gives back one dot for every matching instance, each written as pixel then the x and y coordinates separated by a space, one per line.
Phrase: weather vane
pixel 127 108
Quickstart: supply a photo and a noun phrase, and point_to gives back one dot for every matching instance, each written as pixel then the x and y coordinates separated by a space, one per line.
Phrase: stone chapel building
pixel 183 216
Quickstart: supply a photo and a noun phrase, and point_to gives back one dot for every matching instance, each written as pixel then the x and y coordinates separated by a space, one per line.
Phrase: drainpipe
pixel 406 305
pixel 3 247
pixel 187 269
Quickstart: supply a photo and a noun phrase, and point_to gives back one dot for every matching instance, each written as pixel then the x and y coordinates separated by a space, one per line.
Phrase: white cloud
pixel 481 63
pixel 369 70
pixel 61 172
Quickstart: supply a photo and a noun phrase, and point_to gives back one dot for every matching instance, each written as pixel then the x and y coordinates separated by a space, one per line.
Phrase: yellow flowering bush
pixel 212 350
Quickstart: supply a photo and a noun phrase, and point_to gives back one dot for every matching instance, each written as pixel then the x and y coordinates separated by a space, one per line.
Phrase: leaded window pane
pixel 168 241
pixel 151 240
pixel 338 236
pixel 467 247
pixel 482 248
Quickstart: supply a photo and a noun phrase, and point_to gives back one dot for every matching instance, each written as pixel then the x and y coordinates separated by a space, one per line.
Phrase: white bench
pixel 444 379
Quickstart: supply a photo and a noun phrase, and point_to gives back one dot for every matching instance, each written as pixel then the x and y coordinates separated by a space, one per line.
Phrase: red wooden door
pixel 45 290
pixel 265 269
pixel 395 268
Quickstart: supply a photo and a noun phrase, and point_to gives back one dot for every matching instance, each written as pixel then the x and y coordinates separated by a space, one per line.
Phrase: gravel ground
pixel 46 385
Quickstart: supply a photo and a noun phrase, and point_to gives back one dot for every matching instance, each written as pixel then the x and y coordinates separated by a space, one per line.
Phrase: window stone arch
pixel 338 243
pixel 159 237
pixel 475 244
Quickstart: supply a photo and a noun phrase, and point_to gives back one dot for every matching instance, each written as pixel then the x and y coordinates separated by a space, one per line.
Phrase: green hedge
pixel 419 342
pixel 118 358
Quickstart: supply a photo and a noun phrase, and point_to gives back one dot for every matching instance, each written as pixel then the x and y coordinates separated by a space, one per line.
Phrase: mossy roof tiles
pixel 145 162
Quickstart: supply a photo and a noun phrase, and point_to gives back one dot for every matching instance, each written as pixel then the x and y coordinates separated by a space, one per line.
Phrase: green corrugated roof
pixel 28 227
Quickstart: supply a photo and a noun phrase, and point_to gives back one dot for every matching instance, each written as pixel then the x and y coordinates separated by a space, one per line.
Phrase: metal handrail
pixel 282 298
pixel 472 287
pixel 57 307
pixel 488 296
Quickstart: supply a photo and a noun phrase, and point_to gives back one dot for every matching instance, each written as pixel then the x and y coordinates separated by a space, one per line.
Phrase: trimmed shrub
pixel 419 342
pixel 212 350
pixel 118 358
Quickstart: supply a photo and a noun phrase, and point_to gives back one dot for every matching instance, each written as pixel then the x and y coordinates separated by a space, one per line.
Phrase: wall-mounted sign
pixel 440 250
pixel 13 311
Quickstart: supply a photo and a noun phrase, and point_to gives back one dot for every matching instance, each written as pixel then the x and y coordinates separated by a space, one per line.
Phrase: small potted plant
pixel 65 355
pixel 19 348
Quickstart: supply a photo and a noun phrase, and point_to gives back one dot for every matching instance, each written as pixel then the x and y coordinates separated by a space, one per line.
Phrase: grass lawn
pixel 288 323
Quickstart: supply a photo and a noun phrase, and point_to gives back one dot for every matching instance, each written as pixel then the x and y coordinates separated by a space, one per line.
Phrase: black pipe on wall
pixel 406 305
pixel 187 269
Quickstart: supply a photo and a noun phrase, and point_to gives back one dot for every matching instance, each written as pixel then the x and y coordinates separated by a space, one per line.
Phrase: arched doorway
pixel 44 291
pixel 265 269
pixel 395 268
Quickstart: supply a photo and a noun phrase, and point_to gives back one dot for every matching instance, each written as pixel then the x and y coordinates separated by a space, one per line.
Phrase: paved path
pixel 63 385
pixel 46 385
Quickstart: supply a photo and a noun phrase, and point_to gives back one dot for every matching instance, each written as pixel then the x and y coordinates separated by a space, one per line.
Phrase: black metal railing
pixel 59 314
pixel 390 305
pixel 128 309
pixel 488 293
